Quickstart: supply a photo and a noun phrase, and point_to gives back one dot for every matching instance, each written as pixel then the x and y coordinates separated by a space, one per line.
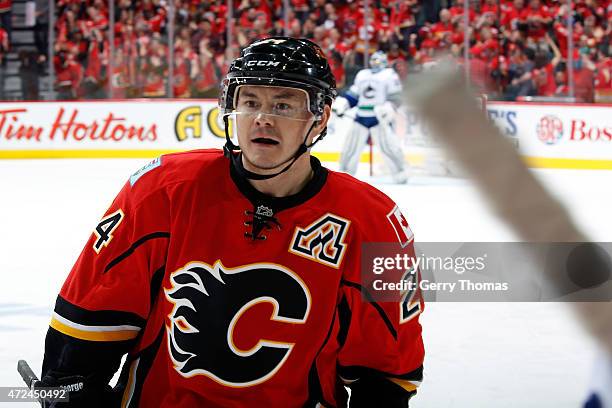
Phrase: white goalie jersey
pixel 372 89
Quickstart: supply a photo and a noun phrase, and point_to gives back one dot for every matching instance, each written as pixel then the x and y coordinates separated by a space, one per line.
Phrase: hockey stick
pixel 26 373
pixel 444 100
pixel 28 376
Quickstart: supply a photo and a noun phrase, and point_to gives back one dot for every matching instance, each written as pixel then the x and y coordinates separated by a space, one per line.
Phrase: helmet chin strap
pixel 229 149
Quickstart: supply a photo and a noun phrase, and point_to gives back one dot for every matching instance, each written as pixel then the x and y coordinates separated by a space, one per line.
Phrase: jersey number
pixel 410 305
pixel 106 227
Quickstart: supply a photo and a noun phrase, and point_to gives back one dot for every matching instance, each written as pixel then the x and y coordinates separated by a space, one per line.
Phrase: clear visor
pixel 278 103
pixel 237 120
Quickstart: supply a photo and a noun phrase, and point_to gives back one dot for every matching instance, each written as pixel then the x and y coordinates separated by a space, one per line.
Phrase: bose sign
pixel 562 132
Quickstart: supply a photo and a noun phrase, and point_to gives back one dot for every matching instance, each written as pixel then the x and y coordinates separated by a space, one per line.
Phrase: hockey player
pixel 375 92
pixel 234 280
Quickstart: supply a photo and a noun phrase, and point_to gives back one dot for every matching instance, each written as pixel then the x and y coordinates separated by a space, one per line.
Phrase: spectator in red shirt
pixel 537 18
pixel 561 82
pixel 352 16
pixel 561 34
pixel 458 36
pixel 6 17
pixel 4 44
pixel 93 83
pixel 402 14
pixel 402 20
pixel 157 22
pixel 603 78
pixel 489 7
pixel 544 74
pixel 206 81
pixel 119 77
pixel 337 67
pixel 487 47
pixel 584 81
pixel 301 9
pixel 247 18
pixel 443 30
pixel 185 69
pixel 251 10
pixel 97 19
pixel 68 77
pixel 397 60
pixel 458 8
pixel 511 16
pixel 154 69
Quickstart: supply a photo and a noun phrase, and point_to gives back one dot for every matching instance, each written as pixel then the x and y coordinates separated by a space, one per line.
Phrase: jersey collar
pixel 256 197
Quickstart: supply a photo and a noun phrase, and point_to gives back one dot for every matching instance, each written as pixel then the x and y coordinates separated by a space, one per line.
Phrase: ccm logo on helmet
pixel 262 63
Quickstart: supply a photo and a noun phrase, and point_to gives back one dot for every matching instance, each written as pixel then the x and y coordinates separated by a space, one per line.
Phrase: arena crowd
pixel 515 48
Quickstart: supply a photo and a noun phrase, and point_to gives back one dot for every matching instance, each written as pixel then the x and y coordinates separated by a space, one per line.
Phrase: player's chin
pixel 266 161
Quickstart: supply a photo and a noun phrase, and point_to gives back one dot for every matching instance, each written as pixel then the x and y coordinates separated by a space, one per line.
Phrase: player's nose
pixel 263 119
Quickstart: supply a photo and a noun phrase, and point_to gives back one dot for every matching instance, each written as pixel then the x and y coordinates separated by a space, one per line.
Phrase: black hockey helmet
pixel 281 61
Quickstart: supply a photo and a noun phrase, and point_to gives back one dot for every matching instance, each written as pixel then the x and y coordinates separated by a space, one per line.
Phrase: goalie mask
pixel 278 62
pixel 378 61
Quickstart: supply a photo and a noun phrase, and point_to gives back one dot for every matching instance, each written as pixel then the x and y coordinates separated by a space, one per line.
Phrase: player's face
pixel 271 124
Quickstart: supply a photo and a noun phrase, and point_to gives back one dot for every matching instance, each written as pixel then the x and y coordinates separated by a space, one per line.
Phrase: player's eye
pixel 283 107
pixel 250 104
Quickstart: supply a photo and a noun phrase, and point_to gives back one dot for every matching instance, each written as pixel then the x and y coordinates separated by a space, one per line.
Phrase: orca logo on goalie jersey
pixel 208 304
pixel 322 241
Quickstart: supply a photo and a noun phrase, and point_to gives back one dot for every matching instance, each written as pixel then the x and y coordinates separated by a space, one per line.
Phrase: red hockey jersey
pixel 225 297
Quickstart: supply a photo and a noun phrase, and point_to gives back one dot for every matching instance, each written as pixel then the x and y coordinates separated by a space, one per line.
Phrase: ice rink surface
pixel 478 354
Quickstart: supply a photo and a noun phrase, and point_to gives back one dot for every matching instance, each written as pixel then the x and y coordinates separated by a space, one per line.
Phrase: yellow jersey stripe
pixel 129 389
pixel 405 384
pixel 112 335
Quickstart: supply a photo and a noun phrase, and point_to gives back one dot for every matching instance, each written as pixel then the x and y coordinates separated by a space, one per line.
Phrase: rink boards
pixel 548 135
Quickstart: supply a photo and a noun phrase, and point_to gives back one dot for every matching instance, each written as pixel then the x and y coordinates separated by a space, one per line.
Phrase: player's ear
pixel 321 123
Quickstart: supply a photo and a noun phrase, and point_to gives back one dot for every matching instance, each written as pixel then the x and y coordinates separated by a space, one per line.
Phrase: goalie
pixel 375 93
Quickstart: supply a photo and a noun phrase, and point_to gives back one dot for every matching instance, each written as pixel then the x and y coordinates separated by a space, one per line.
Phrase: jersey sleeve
pixel 105 301
pixel 394 86
pixel 382 352
pixel 352 95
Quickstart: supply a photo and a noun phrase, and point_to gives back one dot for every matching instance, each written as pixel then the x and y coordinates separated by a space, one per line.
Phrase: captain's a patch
pixel 144 170
pixel 323 241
